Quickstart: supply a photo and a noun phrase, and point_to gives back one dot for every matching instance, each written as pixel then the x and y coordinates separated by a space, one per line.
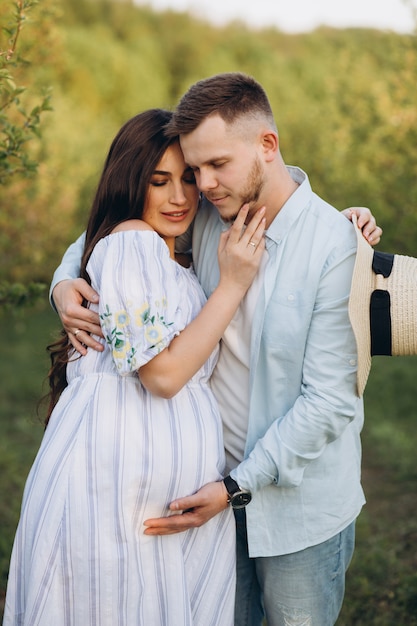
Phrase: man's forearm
pixel 70 265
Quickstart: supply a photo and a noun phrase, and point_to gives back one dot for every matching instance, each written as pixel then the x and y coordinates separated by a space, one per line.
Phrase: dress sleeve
pixel 139 308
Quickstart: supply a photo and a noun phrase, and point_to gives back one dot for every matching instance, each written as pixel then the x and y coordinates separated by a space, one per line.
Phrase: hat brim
pixel 390 329
pixel 359 306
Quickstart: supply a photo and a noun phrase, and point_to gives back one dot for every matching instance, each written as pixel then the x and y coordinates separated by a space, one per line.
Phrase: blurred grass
pixel 382 579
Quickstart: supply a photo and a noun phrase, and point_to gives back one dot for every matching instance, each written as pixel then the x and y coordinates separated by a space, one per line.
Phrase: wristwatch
pixel 238 498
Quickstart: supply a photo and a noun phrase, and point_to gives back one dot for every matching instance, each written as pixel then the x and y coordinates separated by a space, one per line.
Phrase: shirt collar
pixel 293 207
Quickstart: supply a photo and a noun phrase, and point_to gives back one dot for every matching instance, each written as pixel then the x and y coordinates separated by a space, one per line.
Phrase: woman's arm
pixel 240 253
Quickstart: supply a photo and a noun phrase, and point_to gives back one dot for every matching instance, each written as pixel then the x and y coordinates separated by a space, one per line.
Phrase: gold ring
pixel 252 243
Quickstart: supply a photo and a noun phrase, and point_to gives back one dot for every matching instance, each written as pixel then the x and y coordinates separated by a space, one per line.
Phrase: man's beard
pixel 253 187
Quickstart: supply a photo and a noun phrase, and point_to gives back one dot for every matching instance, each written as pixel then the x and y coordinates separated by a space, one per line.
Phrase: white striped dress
pixel 114 455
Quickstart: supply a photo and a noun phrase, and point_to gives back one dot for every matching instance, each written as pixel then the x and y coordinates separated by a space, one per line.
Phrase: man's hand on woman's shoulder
pixel 79 322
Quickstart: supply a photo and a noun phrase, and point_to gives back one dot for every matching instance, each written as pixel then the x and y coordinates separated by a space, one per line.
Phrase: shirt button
pixel 352 362
pixel 291 297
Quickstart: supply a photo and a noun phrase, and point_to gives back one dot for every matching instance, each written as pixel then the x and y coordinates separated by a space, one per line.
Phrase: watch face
pixel 240 499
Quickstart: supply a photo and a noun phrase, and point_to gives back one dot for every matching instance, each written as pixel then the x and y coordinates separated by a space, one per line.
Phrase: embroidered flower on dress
pixel 142 314
pixel 121 319
pixel 154 334
pixel 118 335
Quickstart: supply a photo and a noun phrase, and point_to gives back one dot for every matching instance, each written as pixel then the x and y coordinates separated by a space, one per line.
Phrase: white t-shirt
pixel 230 379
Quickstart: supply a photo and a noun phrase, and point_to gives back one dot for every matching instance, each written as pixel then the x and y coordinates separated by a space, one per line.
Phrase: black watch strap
pixel 231 486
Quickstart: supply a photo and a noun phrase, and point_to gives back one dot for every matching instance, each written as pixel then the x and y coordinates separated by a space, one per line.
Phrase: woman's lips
pixel 176 216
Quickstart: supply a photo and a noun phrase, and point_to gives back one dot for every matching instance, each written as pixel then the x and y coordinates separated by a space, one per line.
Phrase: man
pixel 286 376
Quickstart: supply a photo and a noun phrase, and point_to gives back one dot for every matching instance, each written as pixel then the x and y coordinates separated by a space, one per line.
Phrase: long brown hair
pixel 121 193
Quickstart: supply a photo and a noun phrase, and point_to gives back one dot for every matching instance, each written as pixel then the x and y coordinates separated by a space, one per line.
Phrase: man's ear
pixel 270 144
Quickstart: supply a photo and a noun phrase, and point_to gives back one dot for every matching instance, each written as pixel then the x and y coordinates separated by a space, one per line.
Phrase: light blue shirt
pixel 303 451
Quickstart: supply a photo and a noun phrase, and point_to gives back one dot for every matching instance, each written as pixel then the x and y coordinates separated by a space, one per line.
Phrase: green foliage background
pixel 345 103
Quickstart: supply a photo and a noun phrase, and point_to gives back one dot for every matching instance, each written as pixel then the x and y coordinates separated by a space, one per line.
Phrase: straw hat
pixel 382 305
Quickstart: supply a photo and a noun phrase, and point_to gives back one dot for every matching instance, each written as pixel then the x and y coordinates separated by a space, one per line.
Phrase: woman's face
pixel 172 197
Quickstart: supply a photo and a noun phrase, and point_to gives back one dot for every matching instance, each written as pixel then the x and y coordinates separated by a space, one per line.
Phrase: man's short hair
pixel 230 95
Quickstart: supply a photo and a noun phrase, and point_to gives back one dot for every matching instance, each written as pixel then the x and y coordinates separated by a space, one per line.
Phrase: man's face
pixel 227 165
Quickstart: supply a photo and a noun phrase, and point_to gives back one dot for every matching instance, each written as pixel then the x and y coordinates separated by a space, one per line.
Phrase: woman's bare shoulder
pixel 131 225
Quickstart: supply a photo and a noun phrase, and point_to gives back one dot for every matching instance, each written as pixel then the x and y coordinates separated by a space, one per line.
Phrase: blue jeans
pixel 301 589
